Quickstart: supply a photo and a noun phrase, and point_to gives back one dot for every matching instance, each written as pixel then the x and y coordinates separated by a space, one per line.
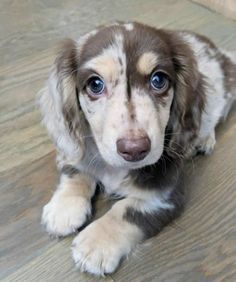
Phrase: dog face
pixel 132 83
pixel 125 91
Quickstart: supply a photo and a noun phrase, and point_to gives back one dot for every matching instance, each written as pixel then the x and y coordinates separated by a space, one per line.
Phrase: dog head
pixel 134 88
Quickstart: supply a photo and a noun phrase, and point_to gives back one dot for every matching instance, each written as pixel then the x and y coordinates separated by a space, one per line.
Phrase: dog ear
pixel 59 104
pixel 188 101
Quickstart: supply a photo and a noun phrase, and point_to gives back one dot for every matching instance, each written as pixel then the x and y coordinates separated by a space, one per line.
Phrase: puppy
pixel 126 105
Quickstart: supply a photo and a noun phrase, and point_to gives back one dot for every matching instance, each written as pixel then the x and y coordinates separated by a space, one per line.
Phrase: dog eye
pixel 159 81
pixel 95 86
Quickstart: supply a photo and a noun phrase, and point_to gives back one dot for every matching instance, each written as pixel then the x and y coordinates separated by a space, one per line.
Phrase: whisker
pixel 92 160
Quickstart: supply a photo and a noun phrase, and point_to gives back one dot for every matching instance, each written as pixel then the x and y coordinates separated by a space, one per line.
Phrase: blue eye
pixel 159 81
pixel 95 85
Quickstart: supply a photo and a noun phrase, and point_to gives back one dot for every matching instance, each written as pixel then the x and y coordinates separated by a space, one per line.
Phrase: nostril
pixel 133 149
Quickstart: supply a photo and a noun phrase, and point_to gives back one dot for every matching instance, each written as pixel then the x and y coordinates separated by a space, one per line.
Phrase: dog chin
pixel 122 164
pixel 141 164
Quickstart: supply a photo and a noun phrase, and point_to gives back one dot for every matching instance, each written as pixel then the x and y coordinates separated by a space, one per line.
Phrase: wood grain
pixel 226 7
pixel 200 246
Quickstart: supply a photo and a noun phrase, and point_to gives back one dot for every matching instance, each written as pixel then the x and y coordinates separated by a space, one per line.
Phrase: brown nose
pixel 133 150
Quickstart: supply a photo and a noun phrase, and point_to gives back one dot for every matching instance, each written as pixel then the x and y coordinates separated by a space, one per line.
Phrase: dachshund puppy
pixel 126 105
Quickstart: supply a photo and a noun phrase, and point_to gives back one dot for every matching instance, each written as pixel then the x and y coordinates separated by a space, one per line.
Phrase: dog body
pixel 125 105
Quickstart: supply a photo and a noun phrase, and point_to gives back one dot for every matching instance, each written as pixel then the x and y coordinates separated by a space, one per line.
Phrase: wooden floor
pixel 200 246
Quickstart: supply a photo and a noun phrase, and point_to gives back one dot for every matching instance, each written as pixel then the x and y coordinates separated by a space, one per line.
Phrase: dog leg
pixel 70 206
pixel 99 248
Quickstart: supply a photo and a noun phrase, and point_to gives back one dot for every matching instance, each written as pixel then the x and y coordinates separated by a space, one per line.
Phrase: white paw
pixel 98 249
pixel 63 215
pixel 207 146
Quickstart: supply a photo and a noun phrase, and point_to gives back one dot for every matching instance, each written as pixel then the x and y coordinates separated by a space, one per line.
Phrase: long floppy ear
pixel 188 102
pixel 59 105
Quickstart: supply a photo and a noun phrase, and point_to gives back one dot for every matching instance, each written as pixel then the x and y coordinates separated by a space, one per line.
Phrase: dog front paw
pixel 99 248
pixel 207 145
pixel 63 215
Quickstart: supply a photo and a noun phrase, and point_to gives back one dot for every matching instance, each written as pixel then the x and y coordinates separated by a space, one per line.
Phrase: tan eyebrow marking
pixel 105 64
pixel 110 63
pixel 147 62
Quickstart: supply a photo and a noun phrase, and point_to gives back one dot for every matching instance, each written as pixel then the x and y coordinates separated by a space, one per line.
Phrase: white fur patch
pixel 50 100
pixel 129 26
pixel 64 215
pixel 69 207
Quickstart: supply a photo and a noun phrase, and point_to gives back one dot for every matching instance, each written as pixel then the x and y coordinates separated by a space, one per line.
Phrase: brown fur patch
pixel 69 170
pixel 152 223
pixel 189 99
pixel 228 67
pixel 67 60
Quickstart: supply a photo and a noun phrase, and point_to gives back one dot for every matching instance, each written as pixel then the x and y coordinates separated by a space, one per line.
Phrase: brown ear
pixel 67 68
pixel 59 105
pixel 188 101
